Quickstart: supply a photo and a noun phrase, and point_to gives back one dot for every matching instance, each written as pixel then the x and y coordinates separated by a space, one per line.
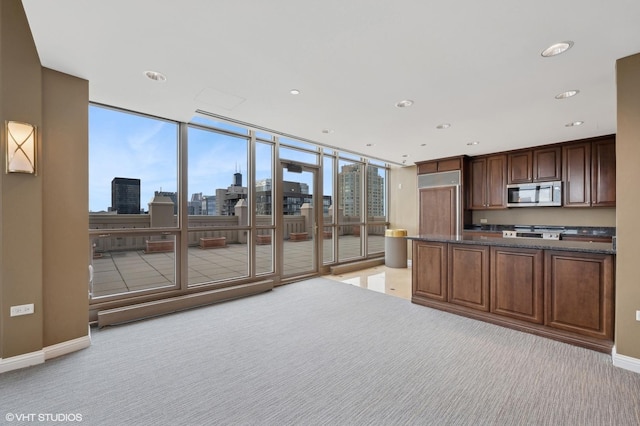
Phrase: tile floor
pixel 383 279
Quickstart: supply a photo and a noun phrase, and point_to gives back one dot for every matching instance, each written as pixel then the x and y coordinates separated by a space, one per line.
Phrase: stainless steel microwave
pixel 539 194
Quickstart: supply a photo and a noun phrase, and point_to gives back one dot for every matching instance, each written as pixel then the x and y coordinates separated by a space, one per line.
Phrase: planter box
pixel 263 239
pixel 298 236
pixel 160 246
pixel 213 242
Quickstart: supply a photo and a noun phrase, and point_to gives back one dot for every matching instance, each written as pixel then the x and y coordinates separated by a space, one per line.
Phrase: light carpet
pixel 321 352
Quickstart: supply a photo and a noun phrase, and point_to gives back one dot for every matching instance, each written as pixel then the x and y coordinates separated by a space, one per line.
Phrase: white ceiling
pixel 474 64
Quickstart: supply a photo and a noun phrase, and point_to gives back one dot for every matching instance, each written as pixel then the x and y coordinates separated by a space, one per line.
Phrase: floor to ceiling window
pixel 133 183
pixel 218 205
pixel 178 208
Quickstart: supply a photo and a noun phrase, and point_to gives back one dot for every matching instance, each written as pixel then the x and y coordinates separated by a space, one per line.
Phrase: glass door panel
pixel 298 209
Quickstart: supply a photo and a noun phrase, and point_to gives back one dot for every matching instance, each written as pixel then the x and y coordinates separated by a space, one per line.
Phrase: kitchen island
pixel 562 290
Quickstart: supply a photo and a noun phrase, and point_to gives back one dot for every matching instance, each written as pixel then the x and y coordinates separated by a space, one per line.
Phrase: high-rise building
pixel 125 195
pixel 375 193
pixel 294 195
pixel 350 190
pixel 194 207
pixel 226 199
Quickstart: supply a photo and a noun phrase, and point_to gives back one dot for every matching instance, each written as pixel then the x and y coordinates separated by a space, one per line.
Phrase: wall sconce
pixel 21 147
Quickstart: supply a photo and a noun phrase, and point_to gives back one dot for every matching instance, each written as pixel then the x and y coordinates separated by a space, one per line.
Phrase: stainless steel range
pixel 534 232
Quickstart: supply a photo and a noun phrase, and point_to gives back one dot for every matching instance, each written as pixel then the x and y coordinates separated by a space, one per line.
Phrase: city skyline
pixel 129 145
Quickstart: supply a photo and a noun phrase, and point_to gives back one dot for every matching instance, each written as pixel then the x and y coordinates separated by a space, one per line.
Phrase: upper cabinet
pixel 576 168
pixel 534 165
pixel 443 165
pixel 488 182
pixel 589 171
pixel 603 173
pixel 547 164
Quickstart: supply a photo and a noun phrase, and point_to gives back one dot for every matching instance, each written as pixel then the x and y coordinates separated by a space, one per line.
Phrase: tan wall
pixel 548 216
pixel 65 202
pixel 43 218
pixel 628 205
pixel 20 194
pixel 403 200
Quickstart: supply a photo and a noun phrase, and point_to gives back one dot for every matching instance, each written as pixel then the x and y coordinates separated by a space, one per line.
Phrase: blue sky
pixel 134 146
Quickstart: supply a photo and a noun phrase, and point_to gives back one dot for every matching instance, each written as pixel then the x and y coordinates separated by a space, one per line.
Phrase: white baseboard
pixel 38 357
pixel 21 361
pixel 67 347
pixel 626 362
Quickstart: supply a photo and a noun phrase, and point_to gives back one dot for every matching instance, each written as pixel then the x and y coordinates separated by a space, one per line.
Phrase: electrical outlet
pixel 637 315
pixel 21 310
pixel 483 221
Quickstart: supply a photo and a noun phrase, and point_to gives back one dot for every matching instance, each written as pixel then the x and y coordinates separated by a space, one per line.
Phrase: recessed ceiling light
pixel 155 75
pixel 294 92
pixel 473 143
pixel 405 103
pixel 574 123
pixel 557 48
pixel 443 126
pixel 327 131
pixel 567 94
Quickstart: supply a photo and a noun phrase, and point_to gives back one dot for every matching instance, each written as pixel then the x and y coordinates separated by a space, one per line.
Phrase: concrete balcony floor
pixel 118 272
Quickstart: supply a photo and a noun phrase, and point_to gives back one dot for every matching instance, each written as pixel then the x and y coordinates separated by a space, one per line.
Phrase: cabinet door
pixel 547 164
pixel 478 191
pixel 468 280
pixel 429 270
pixel 520 167
pixel 450 164
pixel 576 169
pixel 438 211
pixel 428 167
pixel 579 293
pixel 603 173
pixel 497 181
pixel 517 283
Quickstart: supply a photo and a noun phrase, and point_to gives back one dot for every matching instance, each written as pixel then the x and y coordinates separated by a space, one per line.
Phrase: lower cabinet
pixel 579 293
pixel 429 274
pixel 517 283
pixel 469 276
pixel 564 295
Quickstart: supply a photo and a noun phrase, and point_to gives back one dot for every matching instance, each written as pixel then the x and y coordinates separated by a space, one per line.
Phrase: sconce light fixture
pixel 21 147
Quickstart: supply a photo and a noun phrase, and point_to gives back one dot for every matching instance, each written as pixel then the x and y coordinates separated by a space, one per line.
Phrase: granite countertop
pixel 530 243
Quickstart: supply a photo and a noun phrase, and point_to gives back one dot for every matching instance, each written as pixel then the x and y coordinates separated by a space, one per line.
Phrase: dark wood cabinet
pixel 579 293
pixel 442 165
pixel 547 164
pixel 520 167
pixel 603 173
pixel 589 170
pixel 535 165
pixel 576 168
pixel 488 182
pixel 468 276
pixel 563 295
pixel 517 283
pixel 429 276
pixel 438 213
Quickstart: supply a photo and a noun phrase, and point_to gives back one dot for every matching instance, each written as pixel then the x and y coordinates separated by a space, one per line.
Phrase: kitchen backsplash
pixel 559 216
